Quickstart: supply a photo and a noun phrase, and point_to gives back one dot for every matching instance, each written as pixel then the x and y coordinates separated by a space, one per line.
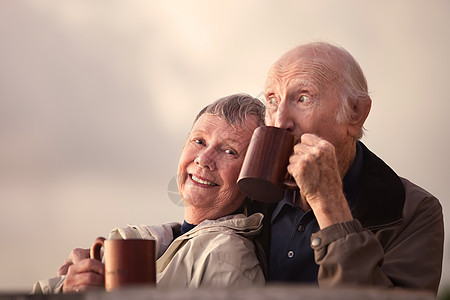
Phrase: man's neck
pixel 346 158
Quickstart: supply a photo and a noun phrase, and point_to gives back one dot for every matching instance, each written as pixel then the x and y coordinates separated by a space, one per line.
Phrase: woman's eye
pixel 199 141
pixel 303 99
pixel 231 152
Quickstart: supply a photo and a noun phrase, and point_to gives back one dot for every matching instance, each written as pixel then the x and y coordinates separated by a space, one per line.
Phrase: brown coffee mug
pixel 127 262
pixel 264 175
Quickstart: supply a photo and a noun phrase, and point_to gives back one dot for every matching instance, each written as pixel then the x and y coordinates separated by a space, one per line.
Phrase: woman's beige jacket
pixel 218 253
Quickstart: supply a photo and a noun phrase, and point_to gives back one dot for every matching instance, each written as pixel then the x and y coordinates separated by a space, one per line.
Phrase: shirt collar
pixel 288 200
pixel 186 227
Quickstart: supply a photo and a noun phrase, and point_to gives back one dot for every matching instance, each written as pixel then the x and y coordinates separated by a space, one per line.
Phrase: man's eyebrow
pixel 301 83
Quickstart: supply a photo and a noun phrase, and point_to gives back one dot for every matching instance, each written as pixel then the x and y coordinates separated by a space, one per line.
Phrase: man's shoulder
pixel 417 198
pixel 412 188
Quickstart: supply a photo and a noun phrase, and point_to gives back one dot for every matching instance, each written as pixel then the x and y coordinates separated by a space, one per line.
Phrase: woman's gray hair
pixel 235 109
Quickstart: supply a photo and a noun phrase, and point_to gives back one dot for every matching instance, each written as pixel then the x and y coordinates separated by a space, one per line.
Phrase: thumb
pixel 63 269
pixel 76 255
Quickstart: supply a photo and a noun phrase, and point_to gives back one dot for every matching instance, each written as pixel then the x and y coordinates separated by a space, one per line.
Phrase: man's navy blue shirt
pixel 291 255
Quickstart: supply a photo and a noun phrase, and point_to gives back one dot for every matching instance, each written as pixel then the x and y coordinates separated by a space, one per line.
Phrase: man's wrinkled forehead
pixel 305 64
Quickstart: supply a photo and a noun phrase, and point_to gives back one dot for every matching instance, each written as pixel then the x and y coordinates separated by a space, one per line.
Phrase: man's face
pixel 210 164
pixel 302 96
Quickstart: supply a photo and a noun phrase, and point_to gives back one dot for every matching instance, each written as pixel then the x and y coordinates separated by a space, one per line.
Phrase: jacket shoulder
pixel 419 201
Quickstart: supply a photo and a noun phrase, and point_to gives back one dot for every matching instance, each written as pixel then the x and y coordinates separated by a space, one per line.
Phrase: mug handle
pixel 96 247
pixel 290 184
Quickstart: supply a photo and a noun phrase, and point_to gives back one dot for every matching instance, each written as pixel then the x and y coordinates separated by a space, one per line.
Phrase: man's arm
pixel 349 254
pixel 406 255
pixel 314 167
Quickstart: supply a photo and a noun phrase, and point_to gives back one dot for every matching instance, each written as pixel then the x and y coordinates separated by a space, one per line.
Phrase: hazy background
pixel 97 97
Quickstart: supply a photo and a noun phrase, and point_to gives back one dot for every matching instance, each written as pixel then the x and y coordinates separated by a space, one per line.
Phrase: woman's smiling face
pixel 210 163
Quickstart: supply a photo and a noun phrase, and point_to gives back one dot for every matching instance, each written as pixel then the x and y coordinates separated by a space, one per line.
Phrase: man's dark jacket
pixel 396 238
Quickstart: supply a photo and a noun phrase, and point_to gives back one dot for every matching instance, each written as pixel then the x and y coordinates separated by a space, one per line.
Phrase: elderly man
pixel 354 221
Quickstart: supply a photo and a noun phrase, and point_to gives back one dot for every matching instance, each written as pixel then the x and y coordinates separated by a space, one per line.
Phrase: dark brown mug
pixel 264 175
pixel 127 262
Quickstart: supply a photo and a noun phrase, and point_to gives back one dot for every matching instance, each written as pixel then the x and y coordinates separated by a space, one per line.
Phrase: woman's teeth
pixel 202 181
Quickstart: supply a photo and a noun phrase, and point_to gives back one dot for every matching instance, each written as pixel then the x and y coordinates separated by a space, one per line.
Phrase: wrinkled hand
pixel 81 272
pixel 314 167
pixel 75 256
pixel 84 275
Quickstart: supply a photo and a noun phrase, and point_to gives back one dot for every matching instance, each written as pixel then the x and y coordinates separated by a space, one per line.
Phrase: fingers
pixel 79 254
pixel 314 165
pixel 314 148
pixel 63 269
pixel 309 139
pixel 87 265
pixel 312 153
pixel 83 282
pixel 75 256
pixel 84 275
pixel 311 143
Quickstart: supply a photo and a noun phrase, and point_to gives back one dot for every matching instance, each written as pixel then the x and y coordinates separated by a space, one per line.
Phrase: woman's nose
pixel 205 160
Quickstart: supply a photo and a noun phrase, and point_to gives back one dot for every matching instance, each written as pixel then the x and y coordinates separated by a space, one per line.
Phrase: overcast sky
pixel 97 97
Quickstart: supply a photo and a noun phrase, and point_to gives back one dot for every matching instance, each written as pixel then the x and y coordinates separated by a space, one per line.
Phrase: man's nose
pixel 205 159
pixel 284 117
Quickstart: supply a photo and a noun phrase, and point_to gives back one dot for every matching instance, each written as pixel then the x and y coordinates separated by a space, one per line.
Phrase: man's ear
pixel 360 111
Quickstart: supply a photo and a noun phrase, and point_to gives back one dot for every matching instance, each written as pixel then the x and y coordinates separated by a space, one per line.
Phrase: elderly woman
pixel 214 245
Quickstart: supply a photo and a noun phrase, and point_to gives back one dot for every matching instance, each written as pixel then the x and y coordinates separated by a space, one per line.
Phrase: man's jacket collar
pixel 381 194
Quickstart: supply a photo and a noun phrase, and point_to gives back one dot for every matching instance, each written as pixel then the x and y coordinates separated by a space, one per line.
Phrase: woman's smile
pixel 202 182
pixel 210 163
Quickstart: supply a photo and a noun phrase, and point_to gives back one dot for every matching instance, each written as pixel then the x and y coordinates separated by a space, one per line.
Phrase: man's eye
pixel 271 101
pixel 303 99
